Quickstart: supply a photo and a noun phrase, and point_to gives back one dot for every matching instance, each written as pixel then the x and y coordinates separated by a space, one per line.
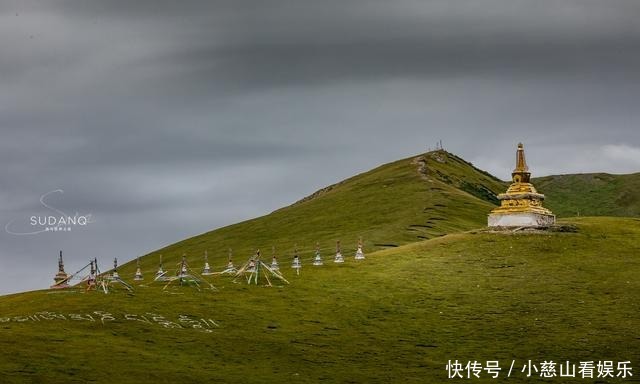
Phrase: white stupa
pixel 317 260
pixel 160 272
pixel 183 272
pixel 138 275
pixel 206 271
pixel 359 253
pixel 296 264
pixel 253 263
pixel 114 274
pixel 339 258
pixel 274 260
pixel 230 269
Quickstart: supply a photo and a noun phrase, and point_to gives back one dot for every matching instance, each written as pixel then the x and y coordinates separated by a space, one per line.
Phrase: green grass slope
pixel 397 316
pixel 591 194
pixel 398 203
pixel 409 200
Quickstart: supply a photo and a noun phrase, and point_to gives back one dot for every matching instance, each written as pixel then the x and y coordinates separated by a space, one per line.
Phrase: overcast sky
pixel 165 119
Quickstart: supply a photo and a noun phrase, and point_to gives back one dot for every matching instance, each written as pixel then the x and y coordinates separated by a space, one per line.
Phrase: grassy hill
pixel 413 199
pixel 591 194
pixel 409 200
pixel 433 288
pixel 397 316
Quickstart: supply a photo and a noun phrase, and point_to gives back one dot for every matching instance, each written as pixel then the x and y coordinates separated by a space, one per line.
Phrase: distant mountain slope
pixel 405 201
pixel 591 194
pixel 409 200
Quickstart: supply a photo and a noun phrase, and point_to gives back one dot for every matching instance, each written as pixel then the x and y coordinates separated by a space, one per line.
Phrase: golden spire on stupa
pixel 521 166
pixel 521 205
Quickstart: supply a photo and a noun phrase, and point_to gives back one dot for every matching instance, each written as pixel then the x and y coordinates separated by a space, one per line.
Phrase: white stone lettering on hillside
pixel 150 319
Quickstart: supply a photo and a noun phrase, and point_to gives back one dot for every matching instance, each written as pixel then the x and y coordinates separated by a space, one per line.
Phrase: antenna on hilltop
pixel 439 146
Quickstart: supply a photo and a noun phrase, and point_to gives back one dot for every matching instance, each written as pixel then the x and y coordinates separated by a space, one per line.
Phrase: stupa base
pixel 523 219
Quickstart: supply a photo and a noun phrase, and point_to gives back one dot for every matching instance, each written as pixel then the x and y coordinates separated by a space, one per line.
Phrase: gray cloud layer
pixel 165 119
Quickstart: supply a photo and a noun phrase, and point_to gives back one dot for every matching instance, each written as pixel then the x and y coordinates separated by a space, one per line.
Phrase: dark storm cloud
pixel 219 46
pixel 165 119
